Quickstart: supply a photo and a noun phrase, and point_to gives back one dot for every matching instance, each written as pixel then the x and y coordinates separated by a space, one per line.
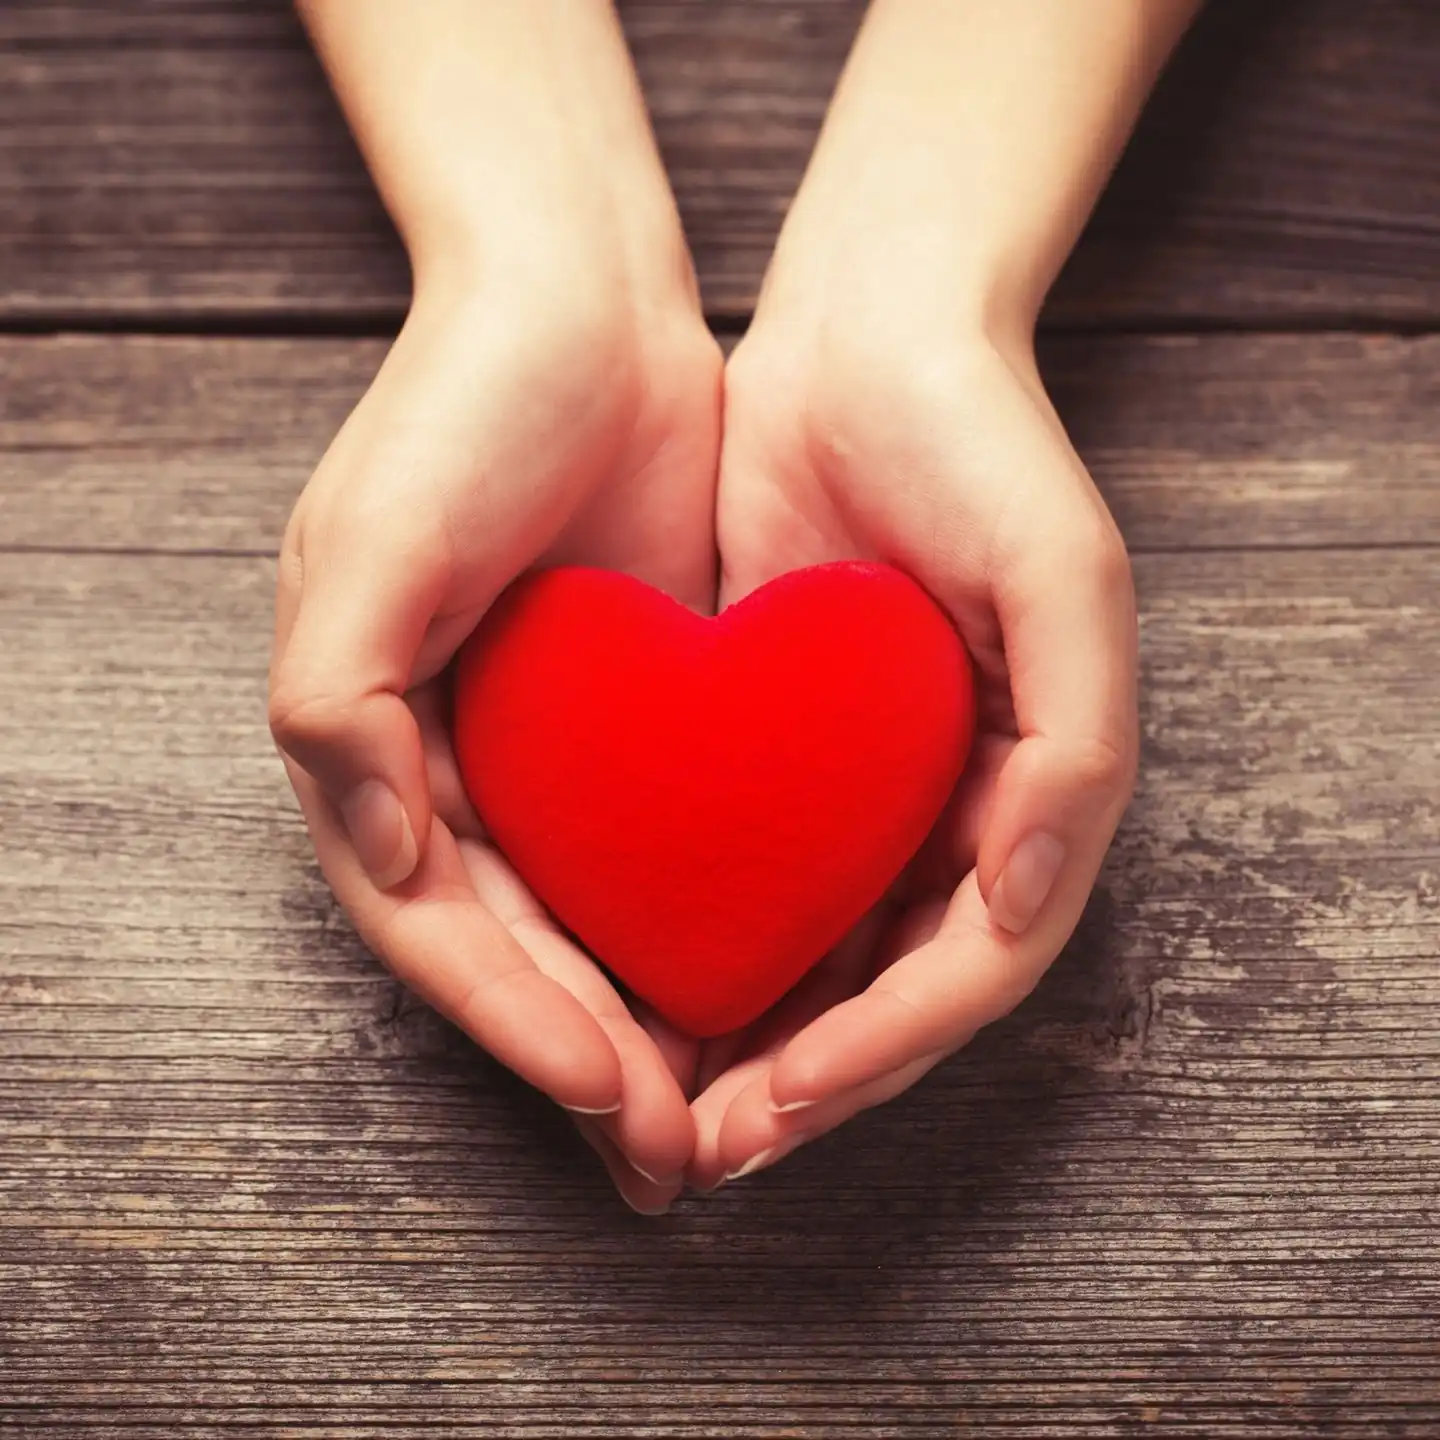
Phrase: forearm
pixel 968 142
pixel 507 137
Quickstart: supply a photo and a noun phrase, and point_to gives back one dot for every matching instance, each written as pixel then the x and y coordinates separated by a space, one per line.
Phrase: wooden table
pixel 1191 1188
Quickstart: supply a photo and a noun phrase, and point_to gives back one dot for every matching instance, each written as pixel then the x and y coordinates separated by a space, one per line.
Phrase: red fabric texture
pixel 710 804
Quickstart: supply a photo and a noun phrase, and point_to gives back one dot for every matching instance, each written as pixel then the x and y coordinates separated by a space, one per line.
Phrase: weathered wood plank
pixel 1190 1188
pixel 181 158
pixel 202 445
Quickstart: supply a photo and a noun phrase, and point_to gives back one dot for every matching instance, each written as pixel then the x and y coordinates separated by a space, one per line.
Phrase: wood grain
pixel 203 445
pixel 172 160
pixel 1190 1188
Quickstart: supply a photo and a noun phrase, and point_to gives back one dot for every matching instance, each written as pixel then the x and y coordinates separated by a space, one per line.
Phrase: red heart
pixel 710 804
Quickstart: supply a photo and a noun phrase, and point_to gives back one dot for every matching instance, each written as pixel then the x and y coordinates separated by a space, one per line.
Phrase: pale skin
pixel 555 397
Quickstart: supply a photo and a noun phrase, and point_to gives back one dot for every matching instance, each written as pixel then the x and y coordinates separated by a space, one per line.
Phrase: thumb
pixel 1066 608
pixel 350 622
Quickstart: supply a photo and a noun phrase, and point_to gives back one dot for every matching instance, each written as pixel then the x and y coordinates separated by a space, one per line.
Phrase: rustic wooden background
pixel 1191 1188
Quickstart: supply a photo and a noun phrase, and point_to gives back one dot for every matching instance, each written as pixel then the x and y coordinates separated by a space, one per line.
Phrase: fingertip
pixel 1057 805
pixel 584 1077
pixel 825 1057
pixel 1026 882
pixel 709 1111
pixel 642 1194
pixel 772 1154
pixel 559 1046
pixel 792 1107
pixel 671 1178
pixel 651 1210
pixel 755 1135
pixel 543 1033
pixel 653 1128
pixel 367 757
pixel 750 1127
pixel 757 1147
pixel 381 832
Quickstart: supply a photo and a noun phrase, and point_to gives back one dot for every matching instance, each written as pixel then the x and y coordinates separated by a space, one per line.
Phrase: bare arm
pixel 968 142
pixel 503 135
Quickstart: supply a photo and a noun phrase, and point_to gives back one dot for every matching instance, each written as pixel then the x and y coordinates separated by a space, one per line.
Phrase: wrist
pixel 963 151
pixel 553 307
pixel 613 241
pixel 888 295
pixel 865 354
pixel 507 140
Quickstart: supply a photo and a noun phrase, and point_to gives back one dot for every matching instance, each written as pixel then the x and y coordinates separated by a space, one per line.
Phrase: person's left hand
pixel 918 443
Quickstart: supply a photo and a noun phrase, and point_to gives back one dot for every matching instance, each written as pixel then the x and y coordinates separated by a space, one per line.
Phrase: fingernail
pixel 380 831
pixel 664 1180
pixel 768 1157
pixel 648 1210
pixel 608 1110
pixel 1026 882
pixel 792 1107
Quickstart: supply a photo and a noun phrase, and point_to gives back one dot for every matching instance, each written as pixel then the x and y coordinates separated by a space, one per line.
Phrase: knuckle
pixel 289 579
pixel 1101 765
pixel 1111 563
pixel 1093 548
pixel 304 718
pixel 292 541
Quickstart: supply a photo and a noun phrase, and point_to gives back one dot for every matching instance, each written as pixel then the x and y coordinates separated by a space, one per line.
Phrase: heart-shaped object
pixel 710 804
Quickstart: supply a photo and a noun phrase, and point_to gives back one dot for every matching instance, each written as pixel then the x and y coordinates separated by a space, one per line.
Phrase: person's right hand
pixel 565 422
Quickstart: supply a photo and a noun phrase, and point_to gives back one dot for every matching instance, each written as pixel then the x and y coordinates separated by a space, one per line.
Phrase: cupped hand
pixel 931 447
pixel 508 427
